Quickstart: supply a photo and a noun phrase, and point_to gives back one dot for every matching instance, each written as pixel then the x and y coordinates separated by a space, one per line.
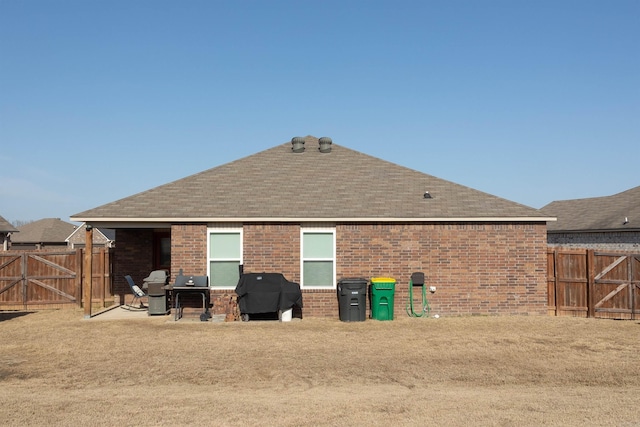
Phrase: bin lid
pixel 353 280
pixel 383 280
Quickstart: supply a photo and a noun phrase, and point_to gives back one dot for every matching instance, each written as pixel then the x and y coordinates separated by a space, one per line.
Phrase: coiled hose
pixel 426 309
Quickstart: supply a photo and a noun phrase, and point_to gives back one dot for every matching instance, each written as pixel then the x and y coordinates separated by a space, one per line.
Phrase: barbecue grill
pixel 260 293
pixel 156 276
pixel 155 284
pixel 186 286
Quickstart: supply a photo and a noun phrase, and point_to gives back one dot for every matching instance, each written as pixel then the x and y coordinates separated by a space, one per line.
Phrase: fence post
pixel 88 270
pixel 24 282
pixel 591 310
pixel 632 288
pixel 555 280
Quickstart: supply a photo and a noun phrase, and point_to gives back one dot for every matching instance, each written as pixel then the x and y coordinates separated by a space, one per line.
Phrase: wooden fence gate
pixel 52 279
pixel 588 283
pixel 615 291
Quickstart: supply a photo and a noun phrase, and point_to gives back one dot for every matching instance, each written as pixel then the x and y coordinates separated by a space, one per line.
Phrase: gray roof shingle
pixel 597 213
pixel 6 227
pixel 47 230
pixel 278 184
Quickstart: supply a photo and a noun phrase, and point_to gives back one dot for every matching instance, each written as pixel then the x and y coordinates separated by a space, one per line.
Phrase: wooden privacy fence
pixel 590 283
pixel 583 283
pixel 31 280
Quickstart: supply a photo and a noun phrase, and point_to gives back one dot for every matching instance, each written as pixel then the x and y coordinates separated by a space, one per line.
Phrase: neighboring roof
pixel 108 233
pixel 281 185
pixel 619 212
pixel 48 230
pixel 6 227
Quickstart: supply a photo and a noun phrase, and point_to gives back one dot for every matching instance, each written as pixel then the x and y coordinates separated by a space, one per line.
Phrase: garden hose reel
pixel 417 279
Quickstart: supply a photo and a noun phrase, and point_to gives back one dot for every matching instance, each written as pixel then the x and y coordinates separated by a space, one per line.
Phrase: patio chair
pixel 137 295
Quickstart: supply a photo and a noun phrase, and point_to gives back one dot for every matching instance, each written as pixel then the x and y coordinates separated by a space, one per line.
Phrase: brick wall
pixel 477 268
pixel 272 248
pixel 133 256
pixel 189 249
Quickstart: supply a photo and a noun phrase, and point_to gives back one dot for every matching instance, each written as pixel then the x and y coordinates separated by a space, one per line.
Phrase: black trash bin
pixel 352 299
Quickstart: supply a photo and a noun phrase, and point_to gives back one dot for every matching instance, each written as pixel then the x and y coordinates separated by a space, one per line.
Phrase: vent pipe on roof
pixel 297 143
pixel 325 144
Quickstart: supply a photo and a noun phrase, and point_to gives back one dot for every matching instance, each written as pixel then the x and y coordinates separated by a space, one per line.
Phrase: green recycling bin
pixel 382 297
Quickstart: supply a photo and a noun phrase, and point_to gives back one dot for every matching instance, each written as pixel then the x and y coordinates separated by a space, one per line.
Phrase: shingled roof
pixel 619 212
pixel 279 184
pixel 6 227
pixel 47 230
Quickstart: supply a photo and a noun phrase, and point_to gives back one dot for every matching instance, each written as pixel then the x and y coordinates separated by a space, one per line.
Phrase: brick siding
pixel 189 249
pixel 477 268
pixel 133 256
pixel 272 248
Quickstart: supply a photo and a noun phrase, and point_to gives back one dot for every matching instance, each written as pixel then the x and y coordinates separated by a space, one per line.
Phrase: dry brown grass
pixel 58 369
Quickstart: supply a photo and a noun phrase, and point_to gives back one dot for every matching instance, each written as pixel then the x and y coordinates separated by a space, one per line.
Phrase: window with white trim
pixel 318 260
pixel 224 248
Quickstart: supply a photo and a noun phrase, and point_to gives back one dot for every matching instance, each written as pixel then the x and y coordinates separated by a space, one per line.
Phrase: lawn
pixel 57 368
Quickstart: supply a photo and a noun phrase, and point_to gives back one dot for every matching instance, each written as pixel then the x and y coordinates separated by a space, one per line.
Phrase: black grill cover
pixel 290 296
pixel 267 293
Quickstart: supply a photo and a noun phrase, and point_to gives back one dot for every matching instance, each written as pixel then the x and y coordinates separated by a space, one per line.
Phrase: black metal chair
pixel 137 295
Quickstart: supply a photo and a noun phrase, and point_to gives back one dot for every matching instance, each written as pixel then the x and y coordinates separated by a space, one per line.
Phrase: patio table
pixel 185 291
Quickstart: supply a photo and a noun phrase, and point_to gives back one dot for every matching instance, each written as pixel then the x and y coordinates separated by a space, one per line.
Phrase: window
pixel 318 250
pixel 225 257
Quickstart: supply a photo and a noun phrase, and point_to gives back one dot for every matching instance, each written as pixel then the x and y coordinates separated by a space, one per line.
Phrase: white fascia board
pixel 111 223
pixel 119 222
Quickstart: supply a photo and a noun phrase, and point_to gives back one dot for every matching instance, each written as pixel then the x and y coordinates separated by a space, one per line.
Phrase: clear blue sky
pixel 533 101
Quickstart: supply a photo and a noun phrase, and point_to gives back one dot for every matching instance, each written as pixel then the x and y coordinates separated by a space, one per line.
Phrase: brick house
pixel 601 223
pixel 43 234
pixel 318 212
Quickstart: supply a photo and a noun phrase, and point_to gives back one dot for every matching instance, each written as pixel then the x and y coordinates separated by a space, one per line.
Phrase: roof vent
pixel 297 143
pixel 427 195
pixel 325 144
